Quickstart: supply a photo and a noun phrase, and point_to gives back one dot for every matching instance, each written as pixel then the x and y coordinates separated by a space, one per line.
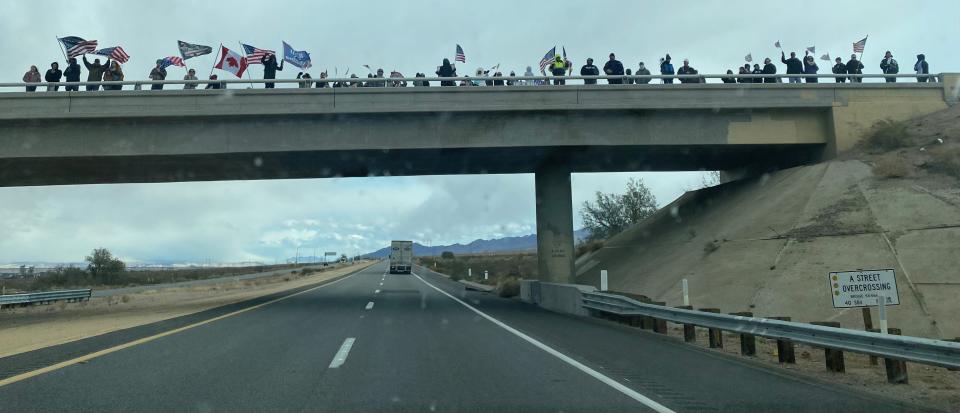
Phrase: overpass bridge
pixel 200 135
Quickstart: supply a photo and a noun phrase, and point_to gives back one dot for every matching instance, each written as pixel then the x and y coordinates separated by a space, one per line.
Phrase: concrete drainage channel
pixel 896 350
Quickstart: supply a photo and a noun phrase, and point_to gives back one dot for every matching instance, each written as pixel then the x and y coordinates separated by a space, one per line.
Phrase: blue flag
pixel 298 58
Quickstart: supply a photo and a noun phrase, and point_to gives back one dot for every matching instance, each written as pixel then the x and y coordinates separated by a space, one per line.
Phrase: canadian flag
pixel 232 62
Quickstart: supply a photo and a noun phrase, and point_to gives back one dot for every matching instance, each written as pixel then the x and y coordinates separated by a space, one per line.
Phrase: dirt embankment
pixel 30 328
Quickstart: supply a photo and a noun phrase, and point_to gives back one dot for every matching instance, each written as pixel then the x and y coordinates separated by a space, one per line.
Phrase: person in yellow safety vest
pixel 559 68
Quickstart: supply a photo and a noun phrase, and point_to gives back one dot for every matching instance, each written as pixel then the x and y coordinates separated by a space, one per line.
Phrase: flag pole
pixel 215 59
pixel 62 50
pixel 250 78
pixel 865 38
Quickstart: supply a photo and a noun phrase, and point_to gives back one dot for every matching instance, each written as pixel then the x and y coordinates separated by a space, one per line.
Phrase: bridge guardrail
pixel 913 349
pixel 44 297
pixel 434 81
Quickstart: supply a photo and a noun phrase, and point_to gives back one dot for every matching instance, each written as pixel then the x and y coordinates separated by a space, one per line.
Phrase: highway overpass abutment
pixel 554 223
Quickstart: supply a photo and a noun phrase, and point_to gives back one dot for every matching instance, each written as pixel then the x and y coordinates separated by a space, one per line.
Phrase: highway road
pixel 398 343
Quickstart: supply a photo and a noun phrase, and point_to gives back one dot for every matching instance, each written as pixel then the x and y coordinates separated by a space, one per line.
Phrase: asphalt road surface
pixel 398 343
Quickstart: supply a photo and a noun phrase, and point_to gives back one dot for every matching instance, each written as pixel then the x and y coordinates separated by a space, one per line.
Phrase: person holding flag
pixel 854 67
pixel 191 75
pixel 794 66
pixel 95 72
pixel 270 68
pixel 159 72
pixel 558 68
pixel 810 67
pixel 446 70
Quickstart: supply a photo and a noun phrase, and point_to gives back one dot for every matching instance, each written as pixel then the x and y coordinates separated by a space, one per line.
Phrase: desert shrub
pixel 946 162
pixel 887 135
pixel 508 287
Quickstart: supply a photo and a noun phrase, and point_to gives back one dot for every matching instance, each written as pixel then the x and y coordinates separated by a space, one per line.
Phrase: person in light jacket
pixel 32 76
pixel 191 75
pixel 642 71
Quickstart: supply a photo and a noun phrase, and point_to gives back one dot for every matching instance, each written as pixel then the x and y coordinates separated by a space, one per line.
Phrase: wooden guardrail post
pixel 832 357
pixel 689 330
pixel 659 324
pixel 646 322
pixel 785 351
pixel 748 343
pixel 896 369
pixel 715 335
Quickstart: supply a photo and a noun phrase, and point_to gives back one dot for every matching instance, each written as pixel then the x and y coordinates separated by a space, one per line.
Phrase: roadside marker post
pixel 686 292
pixel 882 312
pixel 604 286
pixel 469 272
pixel 485 275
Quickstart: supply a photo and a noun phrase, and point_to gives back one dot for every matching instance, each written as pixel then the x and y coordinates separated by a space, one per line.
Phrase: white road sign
pixel 861 288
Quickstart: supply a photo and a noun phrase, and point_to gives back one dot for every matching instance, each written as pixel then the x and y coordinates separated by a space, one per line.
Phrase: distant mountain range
pixel 508 244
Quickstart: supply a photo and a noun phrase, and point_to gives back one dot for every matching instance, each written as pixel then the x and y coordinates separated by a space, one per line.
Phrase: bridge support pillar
pixel 554 224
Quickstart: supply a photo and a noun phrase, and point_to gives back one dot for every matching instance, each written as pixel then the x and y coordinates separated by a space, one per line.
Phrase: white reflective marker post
pixel 603 280
pixel 469 272
pixel 485 275
pixel 882 312
pixel 686 292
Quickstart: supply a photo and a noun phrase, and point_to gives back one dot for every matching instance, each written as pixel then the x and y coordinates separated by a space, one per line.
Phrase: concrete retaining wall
pixel 561 298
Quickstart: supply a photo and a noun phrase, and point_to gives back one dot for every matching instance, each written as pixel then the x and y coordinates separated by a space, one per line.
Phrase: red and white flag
pixel 232 62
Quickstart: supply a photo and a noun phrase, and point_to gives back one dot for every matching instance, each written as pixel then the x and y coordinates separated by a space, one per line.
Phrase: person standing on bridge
pixel 729 79
pixel 744 70
pixel 447 70
pixel 589 69
pixel 191 75
pixel 838 69
pixel 794 66
pixel 642 71
pixel 889 66
pixel 613 67
pixel 854 67
pixel 32 76
pixel 270 68
pixel 757 71
pixel 158 73
pixel 687 70
pixel 922 68
pixel 214 84
pixel 53 76
pixel 666 69
pixel 113 74
pixel 72 74
pixel 810 68
pixel 558 68
pixel 95 72
pixel 769 69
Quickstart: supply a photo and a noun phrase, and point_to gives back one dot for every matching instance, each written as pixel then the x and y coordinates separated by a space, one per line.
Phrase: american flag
pixel 460 57
pixel 76 46
pixel 254 55
pixel 115 53
pixel 548 58
pixel 172 61
pixel 858 46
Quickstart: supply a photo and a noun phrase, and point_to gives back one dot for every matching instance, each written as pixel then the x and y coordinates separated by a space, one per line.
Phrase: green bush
pixel 447 255
pixel 888 135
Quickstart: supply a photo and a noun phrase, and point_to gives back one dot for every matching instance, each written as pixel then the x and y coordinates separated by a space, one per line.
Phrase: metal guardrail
pixel 913 349
pixel 44 297
pixel 524 80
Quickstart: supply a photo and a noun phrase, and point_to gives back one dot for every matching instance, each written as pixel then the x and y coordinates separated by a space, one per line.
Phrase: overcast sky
pixel 266 220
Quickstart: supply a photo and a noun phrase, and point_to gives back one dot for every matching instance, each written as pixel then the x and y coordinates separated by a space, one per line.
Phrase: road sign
pixel 860 288
pixel 329 253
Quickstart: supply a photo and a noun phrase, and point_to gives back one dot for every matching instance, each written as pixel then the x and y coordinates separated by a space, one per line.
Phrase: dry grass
pixel 946 162
pixel 508 287
pixel 887 135
pixel 891 167
pixel 587 247
pixel 498 266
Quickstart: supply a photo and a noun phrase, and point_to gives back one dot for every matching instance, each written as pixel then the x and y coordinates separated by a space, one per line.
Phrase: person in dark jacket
pixel 686 69
pixel 53 75
pixel 794 66
pixel 666 69
pixel 838 69
pixel 744 70
pixel 158 73
pixel 757 71
pixel 889 66
pixel 628 76
pixel 589 69
pixel 922 68
pixel 810 68
pixel 642 71
pixel 854 67
pixel 95 72
pixel 72 74
pixel 730 79
pixel 769 69
pixel 613 67
pixel 214 84
pixel 270 68
pixel 447 70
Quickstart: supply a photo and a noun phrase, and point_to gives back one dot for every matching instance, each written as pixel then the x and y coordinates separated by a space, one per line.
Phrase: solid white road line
pixel 369 306
pixel 646 401
pixel 341 356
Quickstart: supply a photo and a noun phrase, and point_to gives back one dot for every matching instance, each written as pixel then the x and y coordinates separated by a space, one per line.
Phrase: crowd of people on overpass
pixel 557 69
